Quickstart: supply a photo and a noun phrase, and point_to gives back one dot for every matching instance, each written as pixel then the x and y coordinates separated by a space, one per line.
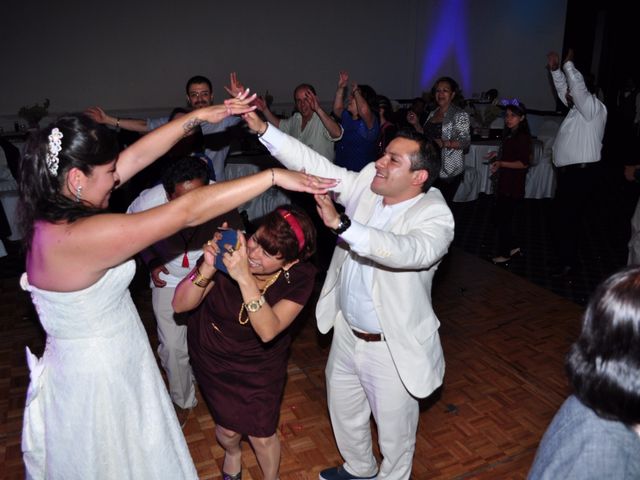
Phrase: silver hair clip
pixel 53 148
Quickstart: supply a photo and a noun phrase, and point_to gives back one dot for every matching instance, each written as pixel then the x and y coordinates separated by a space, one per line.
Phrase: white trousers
pixel 362 379
pixel 173 350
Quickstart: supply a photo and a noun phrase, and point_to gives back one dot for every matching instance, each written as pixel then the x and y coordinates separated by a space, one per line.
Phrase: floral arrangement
pixel 485 116
pixel 34 113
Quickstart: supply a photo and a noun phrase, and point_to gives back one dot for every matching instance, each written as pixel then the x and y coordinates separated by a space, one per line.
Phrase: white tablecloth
pixel 540 181
pixel 9 201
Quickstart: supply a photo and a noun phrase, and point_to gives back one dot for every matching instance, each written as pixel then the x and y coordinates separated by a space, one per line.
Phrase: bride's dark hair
pixel 84 145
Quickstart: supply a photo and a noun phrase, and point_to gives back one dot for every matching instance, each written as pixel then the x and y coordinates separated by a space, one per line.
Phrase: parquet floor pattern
pixel 504 341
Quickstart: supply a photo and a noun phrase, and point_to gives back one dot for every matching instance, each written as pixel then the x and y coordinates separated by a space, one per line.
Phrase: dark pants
pixel 505 213
pixel 448 187
pixel 575 186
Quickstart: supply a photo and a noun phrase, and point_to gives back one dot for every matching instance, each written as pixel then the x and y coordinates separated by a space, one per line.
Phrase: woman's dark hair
pixel 278 238
pixel 455 88
pixel 523 127
pixel 385 104
pixel 182 170
pixel 370 96
pixel 84 145
pixel 603 365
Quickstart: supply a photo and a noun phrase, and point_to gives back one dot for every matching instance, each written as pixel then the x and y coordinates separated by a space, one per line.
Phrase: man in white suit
pixel 386 350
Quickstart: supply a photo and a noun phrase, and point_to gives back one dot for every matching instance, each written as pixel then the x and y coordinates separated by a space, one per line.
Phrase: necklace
pixel 270 281
pixel 185 258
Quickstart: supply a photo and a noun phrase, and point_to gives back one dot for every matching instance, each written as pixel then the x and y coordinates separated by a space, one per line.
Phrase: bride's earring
pixel 78 193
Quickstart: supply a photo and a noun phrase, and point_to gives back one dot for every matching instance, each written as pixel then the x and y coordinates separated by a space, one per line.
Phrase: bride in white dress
pixel 96 406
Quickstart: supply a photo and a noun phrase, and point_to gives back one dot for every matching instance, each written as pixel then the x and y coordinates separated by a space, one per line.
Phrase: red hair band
pixel 295 226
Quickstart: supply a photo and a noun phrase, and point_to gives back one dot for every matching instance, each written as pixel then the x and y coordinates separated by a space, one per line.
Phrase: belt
pixel 575 166
pixel 369 337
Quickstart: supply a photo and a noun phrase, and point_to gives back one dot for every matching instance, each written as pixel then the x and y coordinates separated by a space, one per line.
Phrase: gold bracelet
pixel 118 122
pixel 198 279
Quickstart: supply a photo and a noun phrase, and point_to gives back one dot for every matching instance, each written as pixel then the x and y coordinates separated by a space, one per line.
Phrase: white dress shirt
pixel 579 138
pixel 356 278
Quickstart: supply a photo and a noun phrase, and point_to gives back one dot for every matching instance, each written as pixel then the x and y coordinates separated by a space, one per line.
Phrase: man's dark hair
pixel 182 170
pixel 603 365
pixel 425 158
pixel 198 79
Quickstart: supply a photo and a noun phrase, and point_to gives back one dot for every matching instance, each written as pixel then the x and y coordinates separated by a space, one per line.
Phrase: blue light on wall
pixel 447 41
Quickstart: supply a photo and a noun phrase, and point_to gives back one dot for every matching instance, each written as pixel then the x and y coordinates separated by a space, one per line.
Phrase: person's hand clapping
pixel 311 97
pixel 343 79
pixel 260 103
pixel 235 87
pixel 97 114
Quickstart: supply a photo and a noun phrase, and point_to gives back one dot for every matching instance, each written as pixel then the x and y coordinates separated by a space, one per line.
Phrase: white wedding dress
pixel 97 407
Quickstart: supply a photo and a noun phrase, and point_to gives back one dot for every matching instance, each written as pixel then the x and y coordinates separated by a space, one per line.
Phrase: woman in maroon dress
pixel 511 169
pixel 238 335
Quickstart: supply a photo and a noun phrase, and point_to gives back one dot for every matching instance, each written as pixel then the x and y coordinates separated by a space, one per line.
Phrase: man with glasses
pixel 199 94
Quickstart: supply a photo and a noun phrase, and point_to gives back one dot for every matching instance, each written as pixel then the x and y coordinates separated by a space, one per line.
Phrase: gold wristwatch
pixel 255 305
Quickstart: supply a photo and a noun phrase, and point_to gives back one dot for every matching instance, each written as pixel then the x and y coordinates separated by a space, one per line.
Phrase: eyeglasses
pixel 202 93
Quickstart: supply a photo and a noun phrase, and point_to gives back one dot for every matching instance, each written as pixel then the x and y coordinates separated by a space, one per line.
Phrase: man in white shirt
pixel 386 350
pixel 576 151
pixel 310 123
pixel 169 261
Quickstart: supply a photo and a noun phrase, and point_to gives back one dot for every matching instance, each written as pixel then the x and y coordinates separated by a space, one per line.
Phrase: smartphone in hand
pixel 229 237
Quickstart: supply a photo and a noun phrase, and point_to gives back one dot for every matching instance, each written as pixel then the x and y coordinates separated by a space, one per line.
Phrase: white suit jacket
pixel 407 256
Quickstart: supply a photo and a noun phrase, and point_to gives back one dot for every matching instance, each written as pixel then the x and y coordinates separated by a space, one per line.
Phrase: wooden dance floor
pixel 504 341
